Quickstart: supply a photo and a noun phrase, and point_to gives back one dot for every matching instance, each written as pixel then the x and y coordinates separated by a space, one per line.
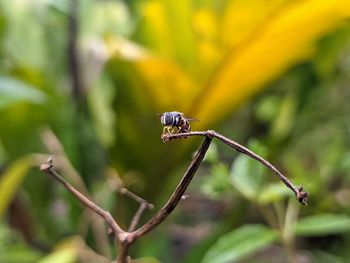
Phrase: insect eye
pixel 168 118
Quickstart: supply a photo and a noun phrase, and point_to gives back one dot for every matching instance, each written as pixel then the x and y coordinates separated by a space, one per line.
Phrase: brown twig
pixel 126 238
pixel 143 204
pixel 48 169
pixel 136 218
pixel 88 217
pixel 136 198
pixel 299 192
pixel 179 191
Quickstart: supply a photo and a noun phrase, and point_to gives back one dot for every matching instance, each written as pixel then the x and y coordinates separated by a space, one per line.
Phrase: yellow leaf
pixel 235 55
pixel 280 42
pixel 167 84
pixel 242 17
pixel 65 252
pixel 12 179
pixel 167 27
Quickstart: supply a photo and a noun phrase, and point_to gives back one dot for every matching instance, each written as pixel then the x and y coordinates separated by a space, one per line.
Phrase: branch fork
pixel 125 238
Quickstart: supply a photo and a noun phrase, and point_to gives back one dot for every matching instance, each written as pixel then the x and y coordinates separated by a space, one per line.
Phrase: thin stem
pixel 126 238
pixel 299 192
pixel 48 169
pixel 136 218
pixel 143 205
pixel 178 193
pixel 88 217
pixel 136 198
pixel 288 236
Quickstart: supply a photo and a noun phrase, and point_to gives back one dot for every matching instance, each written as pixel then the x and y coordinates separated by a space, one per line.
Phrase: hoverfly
pixel 175 119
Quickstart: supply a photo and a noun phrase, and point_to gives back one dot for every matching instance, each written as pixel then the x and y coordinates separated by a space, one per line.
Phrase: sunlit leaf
pixel 13 91
pixel 19 253
pixel 65 252
pixel 275 45
pixel 322 224
pixel 214 78
pixel 239 243
pixel 25 49
pixel 62 256
pixel 103 18
pixel 146 260
pixel 11 180
pixel 168 84
pixel 240 19
pixel 166 28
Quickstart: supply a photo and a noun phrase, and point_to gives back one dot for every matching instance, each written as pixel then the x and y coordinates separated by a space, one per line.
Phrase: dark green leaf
pixel 323 224
pixel 239 243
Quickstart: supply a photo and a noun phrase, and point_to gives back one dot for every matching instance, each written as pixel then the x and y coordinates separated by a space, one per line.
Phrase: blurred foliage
pixel 272 75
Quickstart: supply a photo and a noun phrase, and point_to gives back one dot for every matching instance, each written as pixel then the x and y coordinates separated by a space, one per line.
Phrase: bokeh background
pixel 83 80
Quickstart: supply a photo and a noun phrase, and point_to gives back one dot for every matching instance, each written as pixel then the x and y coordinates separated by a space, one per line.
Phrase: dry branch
pixel 126 238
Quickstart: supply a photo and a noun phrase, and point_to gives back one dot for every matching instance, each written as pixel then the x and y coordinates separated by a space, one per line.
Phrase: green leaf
pixel 14 249
pixel 239 243
pixel 325 257
pixel 247 174
pixel 217 182
pixel 323 224
pixel 66 251
pixel 273 192
pixel 100 99
pixel 146 260
pixel 102 18
pixel 13 91
pixel 12 179
pixel 19 253
pixel 212 155
pixel 66 255
pixel 285 119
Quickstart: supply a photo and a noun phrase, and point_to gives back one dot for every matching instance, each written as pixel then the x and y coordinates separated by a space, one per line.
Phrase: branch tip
pixel 302 195
pixel 47 166
pixel 123 190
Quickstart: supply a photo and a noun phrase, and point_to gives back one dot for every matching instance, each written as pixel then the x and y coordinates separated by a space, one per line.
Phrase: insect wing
pixel 191 119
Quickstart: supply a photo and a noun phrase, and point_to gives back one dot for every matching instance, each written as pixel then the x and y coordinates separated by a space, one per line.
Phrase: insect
pixel 175 119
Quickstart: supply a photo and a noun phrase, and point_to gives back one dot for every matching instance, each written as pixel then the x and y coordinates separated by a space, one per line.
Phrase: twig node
pixel 302 196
